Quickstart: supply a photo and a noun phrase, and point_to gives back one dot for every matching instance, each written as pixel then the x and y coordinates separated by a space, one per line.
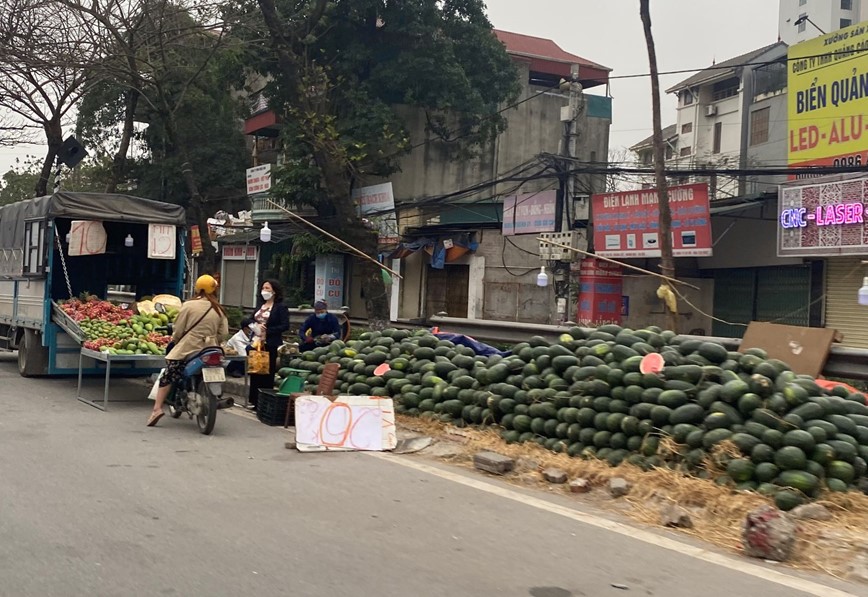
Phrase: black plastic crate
pixel 271 408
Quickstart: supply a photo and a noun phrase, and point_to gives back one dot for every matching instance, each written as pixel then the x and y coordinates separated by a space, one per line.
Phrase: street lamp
pixel 804 18
pixel 265 233
pixel 542 278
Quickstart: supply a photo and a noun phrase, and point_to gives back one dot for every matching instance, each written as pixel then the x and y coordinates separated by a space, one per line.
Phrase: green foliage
pixel 17 186
pixel 359 70
pixel 234 315
pixel 186 75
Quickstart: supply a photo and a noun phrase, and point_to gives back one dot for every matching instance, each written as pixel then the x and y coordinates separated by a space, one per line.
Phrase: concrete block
pixel 494 463
pixel 555 475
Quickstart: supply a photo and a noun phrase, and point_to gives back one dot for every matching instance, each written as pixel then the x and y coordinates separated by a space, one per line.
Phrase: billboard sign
pixel 827 99
pixel 259 179
pixel 377 204
pixel 529 213
pixel 626 224
pixel 329 280
pixel 600 287
pixel 827 218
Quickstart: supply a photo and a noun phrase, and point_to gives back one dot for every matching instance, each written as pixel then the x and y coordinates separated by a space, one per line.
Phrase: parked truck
pixel 64 245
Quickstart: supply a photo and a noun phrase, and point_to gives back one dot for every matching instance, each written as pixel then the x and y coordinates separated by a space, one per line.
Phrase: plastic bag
pixel 258 362
pixel 153 393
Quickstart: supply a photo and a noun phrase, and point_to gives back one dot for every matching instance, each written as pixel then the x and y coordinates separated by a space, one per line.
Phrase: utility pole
pixel 570 116
pixel 667 262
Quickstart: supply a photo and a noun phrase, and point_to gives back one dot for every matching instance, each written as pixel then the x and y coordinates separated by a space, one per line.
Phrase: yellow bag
pixel 258 362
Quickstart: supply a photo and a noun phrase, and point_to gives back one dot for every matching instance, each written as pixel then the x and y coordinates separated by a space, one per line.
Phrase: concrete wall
pixel 502 276
pixel 773 153
pixel 646 309
pixel 534 127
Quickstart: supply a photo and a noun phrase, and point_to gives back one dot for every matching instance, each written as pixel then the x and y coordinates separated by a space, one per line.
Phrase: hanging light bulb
pixel 265 233
pixel 128 241
pixel 863 292
pixel 542 278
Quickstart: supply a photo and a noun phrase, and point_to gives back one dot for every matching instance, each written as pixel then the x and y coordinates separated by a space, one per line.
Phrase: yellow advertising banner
pixel 827 89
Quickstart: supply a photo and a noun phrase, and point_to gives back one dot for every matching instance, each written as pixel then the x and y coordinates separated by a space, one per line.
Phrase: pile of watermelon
pixel 740 418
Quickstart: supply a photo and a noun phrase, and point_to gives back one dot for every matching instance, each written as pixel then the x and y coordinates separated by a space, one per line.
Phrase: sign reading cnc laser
pixel 823 218
pixel 829 215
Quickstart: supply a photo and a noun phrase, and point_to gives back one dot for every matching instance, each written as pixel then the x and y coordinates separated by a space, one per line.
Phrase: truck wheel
pixel 32 356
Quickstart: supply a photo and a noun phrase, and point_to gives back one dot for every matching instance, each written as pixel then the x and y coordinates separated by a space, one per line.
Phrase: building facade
pixel 825 15
pixel 453 257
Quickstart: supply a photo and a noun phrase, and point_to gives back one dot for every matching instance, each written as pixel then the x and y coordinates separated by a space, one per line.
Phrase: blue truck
pixel 67 244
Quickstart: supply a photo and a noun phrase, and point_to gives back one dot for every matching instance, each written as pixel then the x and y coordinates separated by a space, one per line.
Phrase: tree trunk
pixel 335 172
pixel 119 161
pixel 208 259
pixel 667 262
pixel 350 228
pixel 54 138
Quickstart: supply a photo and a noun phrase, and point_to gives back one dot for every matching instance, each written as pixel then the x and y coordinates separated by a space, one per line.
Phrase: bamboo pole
pixel 627 265
pixel 336 239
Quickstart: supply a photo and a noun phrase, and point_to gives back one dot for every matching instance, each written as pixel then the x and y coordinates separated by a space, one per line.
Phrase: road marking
pixel 737 565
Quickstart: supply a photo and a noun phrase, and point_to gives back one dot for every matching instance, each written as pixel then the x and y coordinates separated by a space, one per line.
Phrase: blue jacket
pixel 327 325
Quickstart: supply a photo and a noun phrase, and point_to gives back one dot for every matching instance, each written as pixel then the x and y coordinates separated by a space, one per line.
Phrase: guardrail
pixel 844 362
pixel 849 363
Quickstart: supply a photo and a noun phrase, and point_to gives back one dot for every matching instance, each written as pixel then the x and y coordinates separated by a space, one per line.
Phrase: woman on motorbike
pixel 201 323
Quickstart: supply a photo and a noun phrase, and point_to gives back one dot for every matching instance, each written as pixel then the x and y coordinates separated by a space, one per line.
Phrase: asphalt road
pixel 96 504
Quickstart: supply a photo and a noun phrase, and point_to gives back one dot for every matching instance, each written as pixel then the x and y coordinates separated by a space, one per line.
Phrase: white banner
pixel 259 179
pixel 379 199
pixel 161 241
pixel 86 237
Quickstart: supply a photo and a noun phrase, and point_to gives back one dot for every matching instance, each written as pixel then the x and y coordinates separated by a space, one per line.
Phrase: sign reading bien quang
pixel 823 218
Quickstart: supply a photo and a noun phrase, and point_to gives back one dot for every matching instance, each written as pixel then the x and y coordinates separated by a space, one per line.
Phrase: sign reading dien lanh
pixel 823 218
pixel 828 99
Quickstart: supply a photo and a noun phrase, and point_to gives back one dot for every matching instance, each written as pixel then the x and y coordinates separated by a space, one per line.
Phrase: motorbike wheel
pixel 175 399
pixel 207 416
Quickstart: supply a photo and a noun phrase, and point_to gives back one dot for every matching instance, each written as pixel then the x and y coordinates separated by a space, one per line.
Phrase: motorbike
pixel 200 390
pixel 199 393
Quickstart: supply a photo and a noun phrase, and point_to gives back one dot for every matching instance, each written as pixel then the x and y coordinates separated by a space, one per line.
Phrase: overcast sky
pixel 689 34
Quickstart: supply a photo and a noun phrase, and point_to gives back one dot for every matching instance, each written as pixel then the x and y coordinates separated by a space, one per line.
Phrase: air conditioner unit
pixel 710 110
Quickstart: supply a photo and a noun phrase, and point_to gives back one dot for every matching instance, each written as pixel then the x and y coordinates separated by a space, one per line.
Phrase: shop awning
pixel 728 206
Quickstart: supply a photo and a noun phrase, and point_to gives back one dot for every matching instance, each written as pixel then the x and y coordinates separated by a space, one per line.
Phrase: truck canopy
pixel 106 207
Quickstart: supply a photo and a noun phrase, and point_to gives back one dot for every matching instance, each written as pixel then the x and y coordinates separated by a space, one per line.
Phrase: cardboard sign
pixel 161 241
pixel 345 423
pixel 86 237
pixel 805 350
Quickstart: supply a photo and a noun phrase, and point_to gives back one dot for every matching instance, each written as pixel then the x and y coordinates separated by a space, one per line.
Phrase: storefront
pixel 824 219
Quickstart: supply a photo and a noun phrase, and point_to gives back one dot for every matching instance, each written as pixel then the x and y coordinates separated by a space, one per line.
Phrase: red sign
pixel 600 285
pixel 195 240
pixel 627 224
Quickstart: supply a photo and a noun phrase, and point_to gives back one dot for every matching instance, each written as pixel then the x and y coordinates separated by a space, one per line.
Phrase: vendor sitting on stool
pixel 320 329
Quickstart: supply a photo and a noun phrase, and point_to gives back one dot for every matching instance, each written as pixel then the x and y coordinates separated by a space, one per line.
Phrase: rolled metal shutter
pixel 843 312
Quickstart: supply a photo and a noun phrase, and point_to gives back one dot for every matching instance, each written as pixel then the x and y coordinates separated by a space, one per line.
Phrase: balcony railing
pixel 263 211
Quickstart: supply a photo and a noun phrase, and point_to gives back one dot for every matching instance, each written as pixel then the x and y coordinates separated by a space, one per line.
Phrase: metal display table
pixel 127 361
pixel 133 362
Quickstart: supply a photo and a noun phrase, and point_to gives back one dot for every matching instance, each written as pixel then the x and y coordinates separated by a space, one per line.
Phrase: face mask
pixel 267 295
pixel 320 315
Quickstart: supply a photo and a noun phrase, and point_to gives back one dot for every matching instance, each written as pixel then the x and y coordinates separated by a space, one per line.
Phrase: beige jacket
pixel 208 332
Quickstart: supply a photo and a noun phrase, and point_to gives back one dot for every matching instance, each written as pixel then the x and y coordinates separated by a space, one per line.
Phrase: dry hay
pixel 717 511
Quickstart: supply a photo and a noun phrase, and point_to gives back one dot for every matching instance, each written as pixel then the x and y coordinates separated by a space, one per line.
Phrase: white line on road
pixel 799 584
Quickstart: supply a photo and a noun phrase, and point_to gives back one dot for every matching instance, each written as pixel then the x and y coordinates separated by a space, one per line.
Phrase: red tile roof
pixel 548 57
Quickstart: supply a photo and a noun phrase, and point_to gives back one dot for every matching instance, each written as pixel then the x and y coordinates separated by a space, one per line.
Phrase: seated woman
pixel 319 329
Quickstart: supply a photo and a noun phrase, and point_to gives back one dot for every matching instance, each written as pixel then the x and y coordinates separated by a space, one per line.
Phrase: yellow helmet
pixel 206 284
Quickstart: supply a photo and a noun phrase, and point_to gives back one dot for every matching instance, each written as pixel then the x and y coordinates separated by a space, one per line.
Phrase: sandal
pixel 155 416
